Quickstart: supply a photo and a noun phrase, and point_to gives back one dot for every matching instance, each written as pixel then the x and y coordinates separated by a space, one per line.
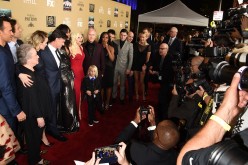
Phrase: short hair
pixel 13 22
pixel 3 19
pixel 124 31
pixel 56 34
pixel 93 67
pixel 23 53
pixel 111 31
pixel 37 37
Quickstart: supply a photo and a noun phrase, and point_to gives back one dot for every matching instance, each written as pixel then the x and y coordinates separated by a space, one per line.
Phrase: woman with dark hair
pixel 108 78
pixel 31 103
pixel 68 115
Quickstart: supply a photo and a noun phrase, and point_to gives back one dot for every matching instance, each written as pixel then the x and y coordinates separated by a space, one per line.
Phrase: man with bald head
pixel 174 43
pixel 161 69
pixel 160 150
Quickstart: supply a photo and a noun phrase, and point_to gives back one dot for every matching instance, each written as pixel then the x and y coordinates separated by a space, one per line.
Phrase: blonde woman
pixel 77 57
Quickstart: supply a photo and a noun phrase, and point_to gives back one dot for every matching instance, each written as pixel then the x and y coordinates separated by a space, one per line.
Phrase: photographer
pixel 121 156
pixel 198 149
pixel 161 150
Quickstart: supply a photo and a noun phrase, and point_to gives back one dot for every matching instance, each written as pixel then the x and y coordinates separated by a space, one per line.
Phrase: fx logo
pixel 51 3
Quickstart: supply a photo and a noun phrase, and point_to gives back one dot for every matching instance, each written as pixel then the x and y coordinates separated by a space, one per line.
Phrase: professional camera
pixel 193 87
pixel 144 110
pixel 222 72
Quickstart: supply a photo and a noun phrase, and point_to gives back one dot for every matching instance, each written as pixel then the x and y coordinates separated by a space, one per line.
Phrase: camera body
pixel 193 87
pixel 144 110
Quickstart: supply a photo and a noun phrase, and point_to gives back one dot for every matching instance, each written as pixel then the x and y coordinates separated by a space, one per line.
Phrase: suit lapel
pixel 51 57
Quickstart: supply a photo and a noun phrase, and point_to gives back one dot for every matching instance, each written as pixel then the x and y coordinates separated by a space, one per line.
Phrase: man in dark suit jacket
pixel 94 54
pixel 175 45
pixel 9 108
pixel 51 58
pixel 160 151
pixel 162 69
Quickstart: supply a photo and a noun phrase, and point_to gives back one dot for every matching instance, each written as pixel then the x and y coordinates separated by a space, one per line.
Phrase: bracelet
pixel 204 96
pixel 221 122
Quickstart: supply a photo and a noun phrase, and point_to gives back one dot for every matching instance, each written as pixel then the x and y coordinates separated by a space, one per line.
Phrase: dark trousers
pixel 33 136
pixel 164 98
pixel 93 103
pixel 130 80
pixel 52 119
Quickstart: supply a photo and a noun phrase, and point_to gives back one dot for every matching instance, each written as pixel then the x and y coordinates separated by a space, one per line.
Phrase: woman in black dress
pixel 67 115
pixel 108 76
pixel 141 56
pixel 31 102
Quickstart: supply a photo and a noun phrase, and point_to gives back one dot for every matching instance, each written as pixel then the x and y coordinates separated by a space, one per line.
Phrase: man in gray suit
pixel 123 65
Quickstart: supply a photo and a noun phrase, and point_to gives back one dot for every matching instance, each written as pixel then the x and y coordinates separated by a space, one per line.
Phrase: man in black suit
pixel 174 43
pixel 161 68
pixel 160 151
pixel 9 108
pixel 51 58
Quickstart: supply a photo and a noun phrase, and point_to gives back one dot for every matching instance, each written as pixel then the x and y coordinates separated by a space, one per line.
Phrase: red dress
pixel 77 68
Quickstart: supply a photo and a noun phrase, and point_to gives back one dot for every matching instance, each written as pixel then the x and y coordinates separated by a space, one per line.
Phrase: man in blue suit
pixel 51 58
pixel 9 107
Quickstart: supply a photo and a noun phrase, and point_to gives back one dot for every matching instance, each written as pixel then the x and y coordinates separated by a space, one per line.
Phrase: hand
pixel 137 119
pixel 151 116
pixel 25 79
pixel 88 93
pixel 200 91
pixel 21 116
pixel 127 71
pixel 96 92
pixel 131 73
pixel 174 91
pixel 144 68
pixel 92 160
pixel 41 122
pixel 121 156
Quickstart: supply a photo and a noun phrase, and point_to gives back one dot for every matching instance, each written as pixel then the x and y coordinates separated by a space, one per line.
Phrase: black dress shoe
pixel 60 138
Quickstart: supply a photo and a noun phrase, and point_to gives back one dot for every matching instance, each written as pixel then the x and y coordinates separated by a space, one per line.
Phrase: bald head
pixel 130 36
pixel 91 35
pixel 173 32
pixel 195 63
pixel 163 49
pixel 166 135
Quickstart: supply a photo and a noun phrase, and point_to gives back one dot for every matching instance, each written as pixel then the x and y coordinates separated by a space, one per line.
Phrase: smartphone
pixel 107 154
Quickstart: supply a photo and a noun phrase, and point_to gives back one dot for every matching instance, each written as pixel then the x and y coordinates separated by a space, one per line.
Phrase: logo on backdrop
pixel 116 12
pixel 109 11
pixel 92 8
pixel 100 22
pixel 81 5
pixel 67 5
pixel 127 14
pixel 51 21
pixel 33 2
pixel 122 13
pixel 79 22
pixel 121 24
pixel 30 18
pixel 115 24
pixel 5 12
pixel 51 3
pixel 126 24
pixel 67 21
pixel 91 22
pixel 101 10
pixel 108 23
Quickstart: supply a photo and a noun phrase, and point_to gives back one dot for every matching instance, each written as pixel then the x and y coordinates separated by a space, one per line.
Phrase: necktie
pixel 170 41
pixel 58 54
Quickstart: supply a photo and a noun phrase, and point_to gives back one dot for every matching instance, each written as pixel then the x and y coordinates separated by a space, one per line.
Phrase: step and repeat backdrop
pixel 79 15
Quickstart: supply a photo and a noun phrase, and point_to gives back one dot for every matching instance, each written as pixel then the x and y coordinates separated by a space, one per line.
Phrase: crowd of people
pixel 44 81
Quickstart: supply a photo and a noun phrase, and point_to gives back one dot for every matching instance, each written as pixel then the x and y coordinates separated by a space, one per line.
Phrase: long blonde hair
pixel 74 48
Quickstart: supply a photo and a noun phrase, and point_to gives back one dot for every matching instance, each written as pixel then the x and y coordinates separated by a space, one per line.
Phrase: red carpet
pixel 80 145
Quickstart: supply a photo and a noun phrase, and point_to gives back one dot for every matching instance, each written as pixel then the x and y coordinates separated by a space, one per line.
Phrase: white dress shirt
pixel 53 49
